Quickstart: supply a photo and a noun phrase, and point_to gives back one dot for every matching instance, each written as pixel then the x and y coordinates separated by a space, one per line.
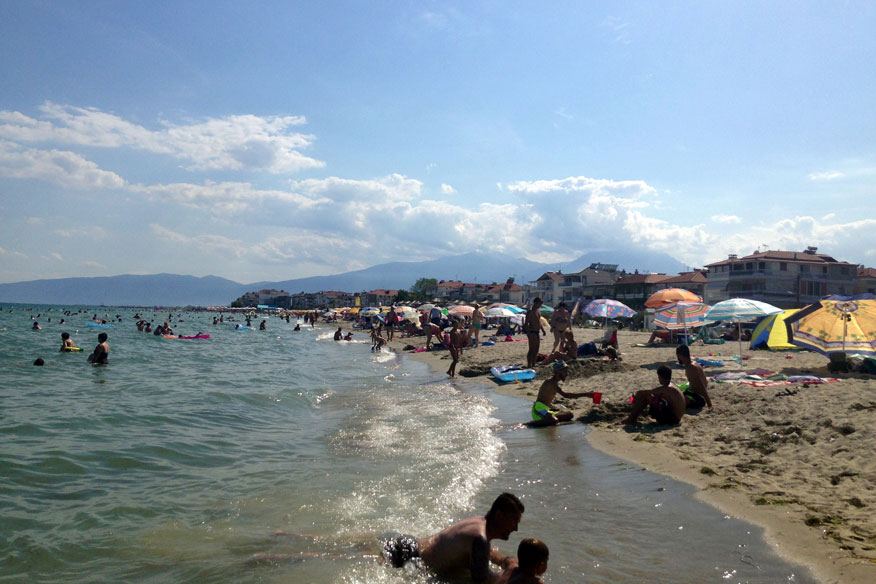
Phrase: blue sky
pixel 274 140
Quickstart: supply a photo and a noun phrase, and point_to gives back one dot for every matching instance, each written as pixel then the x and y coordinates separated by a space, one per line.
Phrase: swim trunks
pixel 400 549
pixel 540 410
pixel 661 411
pixel 699 402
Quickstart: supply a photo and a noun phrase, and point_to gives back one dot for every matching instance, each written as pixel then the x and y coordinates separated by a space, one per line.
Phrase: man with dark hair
pixel 101 351
pixel 533 328
pixel 696 394
pixel 665 402
pixel 463 549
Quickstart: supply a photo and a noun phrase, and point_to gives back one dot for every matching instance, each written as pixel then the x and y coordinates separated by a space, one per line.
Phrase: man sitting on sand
pixel 665 402
pixel 568 349
pixel 463 549
pixel 532 555
pixel 542 414
pixel 697 394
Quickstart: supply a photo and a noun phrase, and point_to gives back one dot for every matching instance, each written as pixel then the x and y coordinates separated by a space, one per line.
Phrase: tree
pixel 423 287
pixel 403 296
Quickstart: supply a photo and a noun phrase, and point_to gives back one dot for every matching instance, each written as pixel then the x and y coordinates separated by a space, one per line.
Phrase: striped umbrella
pixel 739 310
pixel 681 315
pixel 670 295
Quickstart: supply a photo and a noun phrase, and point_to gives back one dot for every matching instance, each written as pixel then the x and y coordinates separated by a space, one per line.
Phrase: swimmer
pixel 463 549
pixel 36 326
pixel 101 351
pixel 542 414
pixel 349 336
pixel 338 334
pixel 39 362
pixel 67 343
pixel 263 326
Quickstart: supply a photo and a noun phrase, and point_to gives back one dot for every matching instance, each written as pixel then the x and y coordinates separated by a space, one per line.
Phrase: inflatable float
pixel 509 373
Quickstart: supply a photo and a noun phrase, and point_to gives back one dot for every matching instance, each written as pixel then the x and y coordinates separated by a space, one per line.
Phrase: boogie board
pixel 72 349
pixel 512 373
pixel 98 325
pixel 194 337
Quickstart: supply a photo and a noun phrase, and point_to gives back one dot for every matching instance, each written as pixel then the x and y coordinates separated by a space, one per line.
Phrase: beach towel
pixel 586 349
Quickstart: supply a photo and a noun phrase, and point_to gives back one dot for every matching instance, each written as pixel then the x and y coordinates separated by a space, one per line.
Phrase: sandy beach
pixel 794 458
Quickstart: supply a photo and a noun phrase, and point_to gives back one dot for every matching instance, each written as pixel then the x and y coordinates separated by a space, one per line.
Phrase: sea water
pixel 283 456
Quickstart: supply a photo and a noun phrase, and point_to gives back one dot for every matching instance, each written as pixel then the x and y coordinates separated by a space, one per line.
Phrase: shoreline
pixel 812 527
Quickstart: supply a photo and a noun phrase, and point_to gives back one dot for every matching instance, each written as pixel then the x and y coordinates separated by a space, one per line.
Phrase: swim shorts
pixel 400 549
pixel 661 411
pixel 699 402
pixel 540 410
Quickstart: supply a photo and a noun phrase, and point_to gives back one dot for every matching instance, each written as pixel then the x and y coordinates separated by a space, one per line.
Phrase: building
pixel 378 297
pixel 787 279
pixel 634 289
pixel 509 293
pixel 547 287
pixel 595 281
pixel 866 283
pixel 694 281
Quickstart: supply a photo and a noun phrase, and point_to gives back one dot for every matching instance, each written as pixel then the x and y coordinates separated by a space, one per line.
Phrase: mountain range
pixel 180 290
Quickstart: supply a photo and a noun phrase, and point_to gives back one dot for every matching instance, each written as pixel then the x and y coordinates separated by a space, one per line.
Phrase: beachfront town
pixel 786 279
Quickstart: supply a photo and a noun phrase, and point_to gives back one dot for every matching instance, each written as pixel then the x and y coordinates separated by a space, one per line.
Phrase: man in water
pixel 101 351
pixel 533 327
pixel 542 414
pixel 463 549
pixel 67 343
pixel 697 394
pixel 36 326
pixel 263 326
pixel 665 402
pixel 338 334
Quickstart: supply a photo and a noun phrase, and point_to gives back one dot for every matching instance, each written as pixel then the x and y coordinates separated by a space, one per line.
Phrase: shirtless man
pixel 542 414
pixel 533 327
pixel 665 402
pixel 338 334
pixel 67 343
pixel 463 549
pixel 697 394
pixel 456 341
pixel 101 351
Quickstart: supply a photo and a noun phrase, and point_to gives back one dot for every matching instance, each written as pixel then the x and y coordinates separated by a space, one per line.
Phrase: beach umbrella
pixel 739 310
pixel 545 309
pixel 681 315
pixel 371 311
pixel 461 310
pixel 670 295
pixel 427 306
pixel 837 323
pixel 515 309
pixel 608 308
pixel 498 312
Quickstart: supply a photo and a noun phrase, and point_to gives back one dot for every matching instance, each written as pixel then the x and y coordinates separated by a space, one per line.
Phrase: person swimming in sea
pixel 67 343
pixel 100 354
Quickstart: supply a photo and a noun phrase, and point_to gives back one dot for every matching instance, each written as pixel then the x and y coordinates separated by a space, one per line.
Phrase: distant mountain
pixel 176 290
pixel 126 290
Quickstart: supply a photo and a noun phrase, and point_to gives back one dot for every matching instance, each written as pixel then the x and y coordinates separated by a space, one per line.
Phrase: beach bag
pixel 587 349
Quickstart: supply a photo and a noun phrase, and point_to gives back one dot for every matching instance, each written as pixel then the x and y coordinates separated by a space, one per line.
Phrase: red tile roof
pixel 643 279
pixel 867 272
pixel 696 277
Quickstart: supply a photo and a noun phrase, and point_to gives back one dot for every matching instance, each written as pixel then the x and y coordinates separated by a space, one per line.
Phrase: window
pixel 804 269
pixel 761 265
pixel 737 267
pixel 824 269
pixel 749 266
pixel 783 266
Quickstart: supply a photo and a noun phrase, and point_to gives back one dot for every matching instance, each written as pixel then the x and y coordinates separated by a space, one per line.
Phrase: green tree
pixel 423 287
pixel 403 296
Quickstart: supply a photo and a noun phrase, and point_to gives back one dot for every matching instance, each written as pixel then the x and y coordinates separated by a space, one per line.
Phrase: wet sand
pixel 796 459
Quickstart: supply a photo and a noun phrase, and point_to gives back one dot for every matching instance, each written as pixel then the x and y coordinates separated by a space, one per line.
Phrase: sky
pixel 276 140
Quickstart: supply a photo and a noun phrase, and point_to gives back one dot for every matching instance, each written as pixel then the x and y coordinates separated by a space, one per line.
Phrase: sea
pixel 284 456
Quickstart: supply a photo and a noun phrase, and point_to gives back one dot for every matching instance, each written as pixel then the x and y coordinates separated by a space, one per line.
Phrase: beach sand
pixel 796 459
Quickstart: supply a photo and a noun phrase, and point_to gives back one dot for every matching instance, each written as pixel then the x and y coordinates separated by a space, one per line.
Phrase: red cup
pixel 597 397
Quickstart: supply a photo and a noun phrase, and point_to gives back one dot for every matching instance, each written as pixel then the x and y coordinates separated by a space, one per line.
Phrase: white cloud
pixel 94 265
pixel 238 142
pixel 57 256
pixel 447 189
pixel 62 168
pixel 829 175
pixel 95 232
pixel 13 254
pixel 728 219
pixel 214 244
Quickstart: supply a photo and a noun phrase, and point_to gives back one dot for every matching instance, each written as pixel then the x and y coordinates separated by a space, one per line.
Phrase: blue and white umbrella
pixel 608 308
pixel 739 310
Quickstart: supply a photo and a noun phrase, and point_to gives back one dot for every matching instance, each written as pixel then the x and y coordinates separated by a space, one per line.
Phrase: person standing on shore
pixel 456 341
pixel 477 323
pixel 391 320
pixel 533 327
pixel 560 322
